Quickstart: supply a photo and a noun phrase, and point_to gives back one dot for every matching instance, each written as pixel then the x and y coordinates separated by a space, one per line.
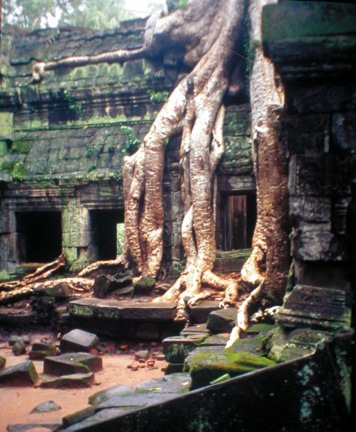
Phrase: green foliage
pixel 73 105
pixel 181 4
pixel 18 171
pixel 132 143
pixel 120 236
pixel 96 14
pixel 158 97
pixel 95 148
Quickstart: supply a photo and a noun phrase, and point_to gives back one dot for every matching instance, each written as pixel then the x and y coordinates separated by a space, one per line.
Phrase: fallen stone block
pixel 78 341
pixel 77 380
pixel 47 406
pixel 72 363
pixel 144 285
pixel 59 291
pixel 19 348
pixel 22 374
pixel 32 427
pixel 40 350
pixel 13 339
pixel 104 285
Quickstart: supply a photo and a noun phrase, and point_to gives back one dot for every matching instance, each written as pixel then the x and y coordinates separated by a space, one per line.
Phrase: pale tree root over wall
pixel 208 35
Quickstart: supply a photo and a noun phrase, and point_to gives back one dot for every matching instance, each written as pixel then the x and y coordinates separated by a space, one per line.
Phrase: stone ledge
pixel 120 310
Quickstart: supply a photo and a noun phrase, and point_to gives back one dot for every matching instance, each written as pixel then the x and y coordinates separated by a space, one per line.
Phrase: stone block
pixel 40 350
pixel 316 307
pixel 222 320
pixel 148 311
pixel 176 348
pixel 200 312
pixel 76 380
pixel 206 365
pixel 78 341
pixel 22 374
pixel 144 285
pixel 71 363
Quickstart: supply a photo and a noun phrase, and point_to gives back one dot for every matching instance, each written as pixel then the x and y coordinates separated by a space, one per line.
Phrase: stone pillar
pixel 75 234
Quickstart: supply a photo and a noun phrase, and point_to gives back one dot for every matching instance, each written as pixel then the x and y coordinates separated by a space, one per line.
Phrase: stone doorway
pixel 105 227
pixel 39 236
pixel 236 221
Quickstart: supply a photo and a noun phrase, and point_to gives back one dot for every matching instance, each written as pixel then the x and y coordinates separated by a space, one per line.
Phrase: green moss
pixel 4 275
pixel 21 147
pixel 158 97
pixel 234 363
pixel 19 171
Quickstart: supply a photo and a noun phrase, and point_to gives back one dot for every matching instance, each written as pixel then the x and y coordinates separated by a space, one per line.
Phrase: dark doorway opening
pixel 104 229
pixel 39 236
pixel 237 221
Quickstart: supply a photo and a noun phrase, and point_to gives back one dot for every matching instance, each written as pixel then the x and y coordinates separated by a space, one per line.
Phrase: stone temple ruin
pixel 62 145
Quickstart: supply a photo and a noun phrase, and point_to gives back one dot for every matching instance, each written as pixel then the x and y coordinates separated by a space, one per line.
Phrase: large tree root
pixel 15 290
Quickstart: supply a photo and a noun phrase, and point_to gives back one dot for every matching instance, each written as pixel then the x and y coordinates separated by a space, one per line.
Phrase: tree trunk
pixel 267 266
pixel 209 34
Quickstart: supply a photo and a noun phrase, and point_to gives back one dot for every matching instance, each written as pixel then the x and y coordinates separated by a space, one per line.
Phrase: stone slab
pixel 176 348
pixel 22 374
pixel 71 363
pixel 200 312
pixel 78 341
pixel 316 307
pixel 222 320
pixel 120 310
pixel 76 380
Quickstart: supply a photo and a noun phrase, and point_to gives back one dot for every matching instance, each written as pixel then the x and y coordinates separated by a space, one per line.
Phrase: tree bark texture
pixel 267 266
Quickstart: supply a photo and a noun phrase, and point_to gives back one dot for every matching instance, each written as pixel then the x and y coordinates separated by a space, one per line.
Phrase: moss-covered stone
pixel 205 367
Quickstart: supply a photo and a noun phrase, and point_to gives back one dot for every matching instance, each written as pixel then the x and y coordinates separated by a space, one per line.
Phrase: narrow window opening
pixel 39 236
pixel 106 233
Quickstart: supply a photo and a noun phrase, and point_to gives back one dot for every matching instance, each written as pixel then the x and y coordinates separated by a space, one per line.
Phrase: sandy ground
pixel 16 403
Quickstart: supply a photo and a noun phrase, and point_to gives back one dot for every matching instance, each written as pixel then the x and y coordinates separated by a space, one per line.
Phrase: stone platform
pixel 133 320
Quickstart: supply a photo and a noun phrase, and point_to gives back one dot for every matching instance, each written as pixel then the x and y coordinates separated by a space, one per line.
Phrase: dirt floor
pixel 16 403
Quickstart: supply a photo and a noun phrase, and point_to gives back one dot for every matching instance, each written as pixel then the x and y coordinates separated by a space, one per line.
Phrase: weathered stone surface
pixel 149 312
pixel 289 393
pixel 36 426
pixel 302 28
pixel 40 350
pixel 13 339
pixel 60 291
pixel 78 341
pixel 48 406
pixel 71 363
pixel 316 307
pixel 104 284
pixel 200 312
pixel 75 380
pixel 22 374
pixel 19 348
pixel 176 348
pixel 122 310
pixel 207 365
pixel 109 393
pixel 287 345
pixel 144 285
pixel 222 320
